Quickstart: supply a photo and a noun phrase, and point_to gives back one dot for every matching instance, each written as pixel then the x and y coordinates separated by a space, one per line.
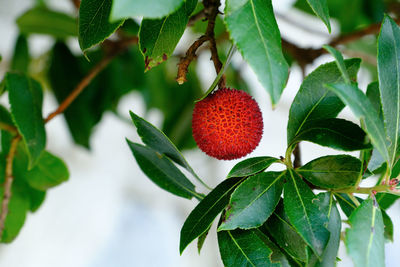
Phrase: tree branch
pixel 9 178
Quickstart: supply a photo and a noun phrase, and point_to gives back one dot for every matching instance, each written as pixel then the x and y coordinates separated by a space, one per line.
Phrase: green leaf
pixel 253 201
pixel 48 172
pixel 303 212
pixel 254 31
pixel 17 209
pixel 385 200
pixel 339 171
pixel 159 37
pixel 365 240
pixel 389 83
pixel 130 28
pixel 328 206
pixel 346 204
pixel 363 109
pixel 335 133
pixel 45 21
pixel 388 226
pixel 339 61
pixel 201 239
pixel 147 8
pixel 21 58
pixel 202 216
pixel 244 248
pixel 157 140
pixel 251 166
pixel 277 255
pixel 285 235
pixel 320 8
pixel 162 171
pixel 26 97
pixel 94 26
pixel 313 101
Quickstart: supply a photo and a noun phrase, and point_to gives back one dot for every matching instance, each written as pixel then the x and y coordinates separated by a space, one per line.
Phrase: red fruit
pixel 227 124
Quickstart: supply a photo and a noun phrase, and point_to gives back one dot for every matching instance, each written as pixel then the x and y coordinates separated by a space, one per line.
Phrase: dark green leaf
pixel 201 239
pixel 285 235
pixel 253 28
pixel 244 248
pixel 159 37
pixel 335 133
pixel 363 109
pixel 146 8
pixel 94 26
pixel 339 171
pixel 130 27
pixel 313 101
pixel 5 116
pixel 385 200
pixel 320 8
pixel 339 61
pixel 346 203
pixel 21 58
pixel 162 171
pixel 328 206
pixel 157 140
pixel 365 240
pixel 388 224
pixel 202 216
pixel 253 201
pixel 303 212
pixel 277 255
pixel 251 166
pixel 389 83
pixel 26 97
pixel 48 172
pixel 44 21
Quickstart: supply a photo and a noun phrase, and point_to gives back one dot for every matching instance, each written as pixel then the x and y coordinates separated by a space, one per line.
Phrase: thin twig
pixel 8 128
pixel 193 19
pixel 8 183
pixel 76 3
pixel 116 48
pixel 297 156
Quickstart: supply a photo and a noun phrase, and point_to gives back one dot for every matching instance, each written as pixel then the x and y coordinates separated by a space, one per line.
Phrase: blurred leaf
pixel 202 216
pixel 130 27
pixel 328 206
pixel 162 171
pixel 21 58
pixel 363 109
pixel 251 166
pixel 253 29
pixel 313 101
pixel 388 226
pixel 285 235
pixel 26 97
pixel 200 26
pixel 159 37
pixel 147 8
pixel 385 200
pixel 253 201
pixel 94 26
pixel 244 248
pixel 303 212
pixel 41 20
pixel 335 133
pixel 365 239
pixel 389 84
pixel 339 171
pixel 320 8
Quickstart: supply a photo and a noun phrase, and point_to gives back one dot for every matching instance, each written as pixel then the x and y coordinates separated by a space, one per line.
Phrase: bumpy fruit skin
pixel 227 124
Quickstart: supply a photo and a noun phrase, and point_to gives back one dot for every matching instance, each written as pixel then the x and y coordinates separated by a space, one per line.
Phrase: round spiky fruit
pixel 227 124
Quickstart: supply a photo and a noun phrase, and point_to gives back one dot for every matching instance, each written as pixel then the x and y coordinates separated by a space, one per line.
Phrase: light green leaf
pixel 365 240
pixel 162 171
pixel 320 8
pixel 363 109
pixel 301 207
pixel 254 31
pixel 389 83
pixel 339 171
pixel 94 26
pixel 159 37
pixel 244 248
pixel 122 9
pixel 26 97
pixel 200 219
pixel 251 166
pixel 253 201
pixel 313 101
pixel 45 21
